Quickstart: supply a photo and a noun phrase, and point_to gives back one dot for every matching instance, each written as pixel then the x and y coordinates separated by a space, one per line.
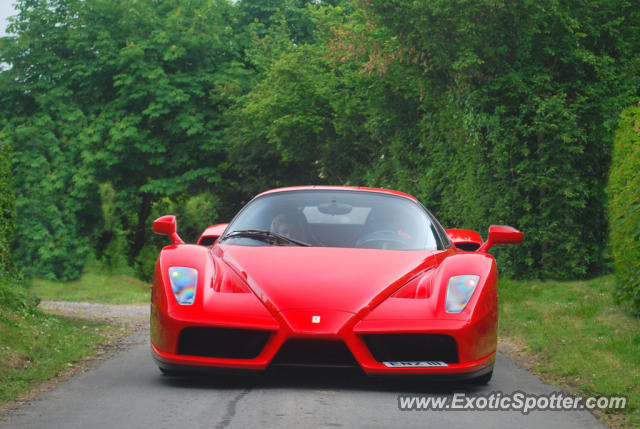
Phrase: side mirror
pixel 464 239
pixel 167 225
pixel 501 234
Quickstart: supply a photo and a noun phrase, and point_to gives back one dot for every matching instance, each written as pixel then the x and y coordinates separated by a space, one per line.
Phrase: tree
pixel 624 207
pixel 174 70
pixel 56 201
pixel 131 92
pixel 302 122
pixel 295 14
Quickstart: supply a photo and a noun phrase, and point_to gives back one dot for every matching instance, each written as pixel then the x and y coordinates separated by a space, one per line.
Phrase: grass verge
pixel 35 346
pixel 572 334
pixel 94 286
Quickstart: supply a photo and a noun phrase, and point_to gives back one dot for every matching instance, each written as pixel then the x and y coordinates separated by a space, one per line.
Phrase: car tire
pixel 483 379
pixel 169 372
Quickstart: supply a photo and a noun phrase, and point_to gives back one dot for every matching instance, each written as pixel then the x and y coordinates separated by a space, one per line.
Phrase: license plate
pixel 414 364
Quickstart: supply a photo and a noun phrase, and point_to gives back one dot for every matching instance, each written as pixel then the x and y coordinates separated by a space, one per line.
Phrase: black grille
pixel 315 353
pixel 208 241
pixel 468 247
pixel 222 342
pixel 412 347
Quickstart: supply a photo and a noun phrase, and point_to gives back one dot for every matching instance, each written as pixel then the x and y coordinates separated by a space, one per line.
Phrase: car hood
pixel 323 278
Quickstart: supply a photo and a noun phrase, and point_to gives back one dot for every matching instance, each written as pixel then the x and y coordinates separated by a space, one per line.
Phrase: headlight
pixel 183 284
pixel 459 291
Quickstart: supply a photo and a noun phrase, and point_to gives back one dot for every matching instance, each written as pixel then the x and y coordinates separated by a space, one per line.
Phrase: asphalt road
pixel 128 391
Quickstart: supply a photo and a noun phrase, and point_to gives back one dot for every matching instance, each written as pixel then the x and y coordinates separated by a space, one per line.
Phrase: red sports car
pixel 329 276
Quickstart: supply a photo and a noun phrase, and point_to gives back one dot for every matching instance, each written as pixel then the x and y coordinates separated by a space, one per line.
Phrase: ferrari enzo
pixel 329 276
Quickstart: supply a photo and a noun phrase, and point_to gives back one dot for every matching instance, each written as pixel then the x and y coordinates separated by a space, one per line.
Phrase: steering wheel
pixel 384 239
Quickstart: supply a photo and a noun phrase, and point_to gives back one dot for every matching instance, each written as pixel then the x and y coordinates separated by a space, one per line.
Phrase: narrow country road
pixel 128 391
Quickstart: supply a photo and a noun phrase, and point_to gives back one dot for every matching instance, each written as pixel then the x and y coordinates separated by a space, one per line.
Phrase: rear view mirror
pixel 335 209
pixel 501 234
pixel 167 225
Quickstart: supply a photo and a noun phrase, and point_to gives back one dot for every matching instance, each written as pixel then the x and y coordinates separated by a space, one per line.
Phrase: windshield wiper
pixel 266 236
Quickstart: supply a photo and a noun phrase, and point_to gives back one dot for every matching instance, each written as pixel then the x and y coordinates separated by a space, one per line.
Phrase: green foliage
pixel 624 206
pixel 56 204
pixel 302 123
pixel 196 213
pixel 282 124
pixel 114 255
pixel 111 244
pixel 263 15
pixel 127 93
pixel 488 112
pixel 172 71
pixel 514 110
pixel 145 262
pixel 6 208
pixel 14 297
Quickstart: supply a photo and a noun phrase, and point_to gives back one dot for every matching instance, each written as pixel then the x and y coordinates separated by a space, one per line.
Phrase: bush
pixel 57 204
pixel 624 207
pixel 114 256
pixel 12 294
pixel 145 262
pixel 6 208
pixel 111 245
pixel 14 297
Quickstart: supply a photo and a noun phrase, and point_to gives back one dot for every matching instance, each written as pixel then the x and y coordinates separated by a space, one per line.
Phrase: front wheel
pixel 169 372
pixel 483 379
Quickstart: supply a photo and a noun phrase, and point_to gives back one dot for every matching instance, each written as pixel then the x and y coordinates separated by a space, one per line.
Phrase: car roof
pixel 338 188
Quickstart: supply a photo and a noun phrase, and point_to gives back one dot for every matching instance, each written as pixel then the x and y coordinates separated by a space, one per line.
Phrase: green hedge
pixel 6 207
pixel 12 294
pixel 624 206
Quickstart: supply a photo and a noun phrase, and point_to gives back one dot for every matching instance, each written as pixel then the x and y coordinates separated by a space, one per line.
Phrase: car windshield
pixel 322 218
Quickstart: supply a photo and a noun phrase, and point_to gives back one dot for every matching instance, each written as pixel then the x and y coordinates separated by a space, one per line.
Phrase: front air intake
pixel 312 352
pixel 412 347
pixel 222 342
